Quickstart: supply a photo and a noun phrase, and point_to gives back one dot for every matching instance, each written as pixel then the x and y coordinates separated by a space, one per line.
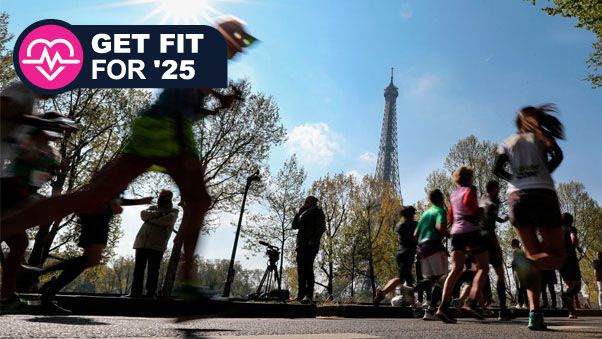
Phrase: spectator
pixel 151 242
pixel 310 221
pixel 521 291
pixel 598 270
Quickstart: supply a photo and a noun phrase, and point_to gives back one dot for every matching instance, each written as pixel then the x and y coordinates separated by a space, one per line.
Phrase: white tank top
pixel 528 159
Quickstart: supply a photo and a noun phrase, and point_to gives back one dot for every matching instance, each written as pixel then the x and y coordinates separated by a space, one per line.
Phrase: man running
pixel 430 232
pixel 490 204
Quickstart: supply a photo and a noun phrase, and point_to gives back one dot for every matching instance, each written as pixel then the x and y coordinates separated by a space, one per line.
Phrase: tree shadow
pixel 199 332
pixel 70 320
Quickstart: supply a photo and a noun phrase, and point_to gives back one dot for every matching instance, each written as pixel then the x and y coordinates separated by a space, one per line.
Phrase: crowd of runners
pixel 525 160
pixel 549 239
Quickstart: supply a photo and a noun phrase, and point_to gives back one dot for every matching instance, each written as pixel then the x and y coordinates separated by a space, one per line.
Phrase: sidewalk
pixel 122 306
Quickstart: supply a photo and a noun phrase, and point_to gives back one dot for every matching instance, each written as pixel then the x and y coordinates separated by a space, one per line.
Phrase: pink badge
pixel 51 57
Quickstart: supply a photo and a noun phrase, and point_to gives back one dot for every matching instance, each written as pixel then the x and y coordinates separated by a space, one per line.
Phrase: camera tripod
pixel 270 275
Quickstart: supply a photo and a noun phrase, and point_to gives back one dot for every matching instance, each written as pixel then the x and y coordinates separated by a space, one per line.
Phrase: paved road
pixel 324 328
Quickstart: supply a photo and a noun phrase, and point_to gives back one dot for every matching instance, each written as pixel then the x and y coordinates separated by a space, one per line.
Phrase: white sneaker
pixel 429 316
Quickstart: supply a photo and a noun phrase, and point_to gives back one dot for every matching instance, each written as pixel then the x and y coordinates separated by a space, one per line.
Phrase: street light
pixel 254 177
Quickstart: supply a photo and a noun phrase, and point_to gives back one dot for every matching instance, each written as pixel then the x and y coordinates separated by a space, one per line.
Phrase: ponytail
pixel 540 122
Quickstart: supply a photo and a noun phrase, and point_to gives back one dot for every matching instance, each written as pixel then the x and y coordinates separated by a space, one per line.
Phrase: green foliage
pixel 7 71
pixel 589 16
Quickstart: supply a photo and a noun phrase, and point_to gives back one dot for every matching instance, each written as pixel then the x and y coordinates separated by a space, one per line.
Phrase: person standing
pixel 151 242
pixel 406 252
pixel 598 270
pixel 311 223
pixel 548 282
pixel 521 292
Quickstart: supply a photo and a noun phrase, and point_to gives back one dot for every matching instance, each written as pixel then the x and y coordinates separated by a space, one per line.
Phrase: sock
pixel 501 294
pixel 72 270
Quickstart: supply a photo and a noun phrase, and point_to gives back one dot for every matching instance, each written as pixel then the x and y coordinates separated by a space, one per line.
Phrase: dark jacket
pixel 311 224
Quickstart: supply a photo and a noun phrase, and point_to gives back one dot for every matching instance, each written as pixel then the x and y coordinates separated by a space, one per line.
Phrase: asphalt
pixel 32 326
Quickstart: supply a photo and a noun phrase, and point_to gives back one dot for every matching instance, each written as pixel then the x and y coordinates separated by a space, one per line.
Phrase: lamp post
pixel 254 177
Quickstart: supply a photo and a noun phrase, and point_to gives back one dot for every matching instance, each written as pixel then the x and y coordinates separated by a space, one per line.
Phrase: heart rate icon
pixel 50 57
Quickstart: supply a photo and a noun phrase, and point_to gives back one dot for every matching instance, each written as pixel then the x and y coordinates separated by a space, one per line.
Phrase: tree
pixel 589 16
pixel 334 194
pixel 103 116
pixel 7 71
pixel 283 197
pixel 233 144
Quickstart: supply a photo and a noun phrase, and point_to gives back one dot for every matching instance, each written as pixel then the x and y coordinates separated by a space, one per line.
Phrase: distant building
pixel 387 166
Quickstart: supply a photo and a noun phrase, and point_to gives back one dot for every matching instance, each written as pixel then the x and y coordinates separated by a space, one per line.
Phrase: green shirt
pixel 426 228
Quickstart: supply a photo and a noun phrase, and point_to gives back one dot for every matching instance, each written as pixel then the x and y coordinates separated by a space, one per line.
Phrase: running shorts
pixel 534 207
pixel 434 265
pixel 570 270
pixel 471 242
pixel 160 137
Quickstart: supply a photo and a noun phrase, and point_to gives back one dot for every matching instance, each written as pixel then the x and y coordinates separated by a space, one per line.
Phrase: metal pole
pixel 230 278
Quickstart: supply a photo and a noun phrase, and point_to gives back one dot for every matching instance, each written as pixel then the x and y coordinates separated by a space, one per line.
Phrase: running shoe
pixel 13 305
pixel 445 317
pixel 504 315
pixel 536 322
pixel 50 306
pixel 572 315
pixel 429 315
pixel 457 304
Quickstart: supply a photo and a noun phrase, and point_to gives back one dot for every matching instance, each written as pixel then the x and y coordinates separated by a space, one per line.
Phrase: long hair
pixel 540 122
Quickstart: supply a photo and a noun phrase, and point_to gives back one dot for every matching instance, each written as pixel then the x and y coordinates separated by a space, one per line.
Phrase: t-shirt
pixel 489 216
pixel 426 228
pixel 464 210
pixel 177 102
pixel 528 160
pixel 405 231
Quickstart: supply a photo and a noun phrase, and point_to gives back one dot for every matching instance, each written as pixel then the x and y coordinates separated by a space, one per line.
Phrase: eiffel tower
pixel 387 166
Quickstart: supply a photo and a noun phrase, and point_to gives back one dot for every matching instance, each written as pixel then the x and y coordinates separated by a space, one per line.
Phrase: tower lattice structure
pixel 387 166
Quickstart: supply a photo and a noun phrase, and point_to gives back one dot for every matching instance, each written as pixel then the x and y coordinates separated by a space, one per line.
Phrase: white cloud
pixel 314 143
pixel 368 157
pixel 423 85
pixel 406 12
pixel 357 176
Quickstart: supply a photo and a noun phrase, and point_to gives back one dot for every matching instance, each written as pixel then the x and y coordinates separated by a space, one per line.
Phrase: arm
pixel 133 202
pixel 556 157
pixel 498 167
pixel 167 220
pixel 441 225
pixel 149 213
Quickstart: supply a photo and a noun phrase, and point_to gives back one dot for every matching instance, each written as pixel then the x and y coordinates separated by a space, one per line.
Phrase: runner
pixel 162 136
pixel 570 271
pixel 597 265
pixel 405 257
pixel 465 238
pixel 491 206
pixel 533 154
pixel 430 232
pixel 93 239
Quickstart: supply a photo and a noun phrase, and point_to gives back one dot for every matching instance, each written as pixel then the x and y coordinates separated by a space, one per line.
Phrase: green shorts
pixel 157 137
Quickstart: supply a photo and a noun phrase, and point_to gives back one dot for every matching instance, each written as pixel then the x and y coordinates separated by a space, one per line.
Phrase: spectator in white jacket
pixel 151 242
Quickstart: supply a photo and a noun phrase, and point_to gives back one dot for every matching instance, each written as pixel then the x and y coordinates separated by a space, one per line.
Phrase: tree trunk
pixel 172 266
pixel 281 260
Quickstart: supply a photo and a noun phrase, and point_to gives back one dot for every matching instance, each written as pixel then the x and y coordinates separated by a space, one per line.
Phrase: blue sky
pixel 462 67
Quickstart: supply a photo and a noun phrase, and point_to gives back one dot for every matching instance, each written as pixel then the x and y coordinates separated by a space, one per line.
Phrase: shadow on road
pixel 199 332
pixel 66 320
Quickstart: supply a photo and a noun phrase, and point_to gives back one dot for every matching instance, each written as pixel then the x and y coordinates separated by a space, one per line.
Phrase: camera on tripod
pixel 272 252
pixel 270 280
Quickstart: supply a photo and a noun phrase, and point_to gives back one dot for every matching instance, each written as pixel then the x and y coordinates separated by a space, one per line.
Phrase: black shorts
pixel 471 242
pixel 495 251
pixel 534 207
pixel 405 262
pixel 570 270
pixel 95 227
pixel 548 277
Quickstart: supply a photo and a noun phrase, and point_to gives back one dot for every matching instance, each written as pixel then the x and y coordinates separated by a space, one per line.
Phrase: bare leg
pixel 547 255
pixel 390 286
pixel 534 293
pixel 458 258
pixel 114 178
pixel 187 172
pixel 482 265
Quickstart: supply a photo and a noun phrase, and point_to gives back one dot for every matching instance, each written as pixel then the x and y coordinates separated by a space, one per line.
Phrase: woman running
pixel 464 215
pixel 161 136
pixel 532 155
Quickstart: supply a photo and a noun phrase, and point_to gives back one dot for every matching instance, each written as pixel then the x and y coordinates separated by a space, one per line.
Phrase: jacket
pixel 157 228
pixel 311 223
